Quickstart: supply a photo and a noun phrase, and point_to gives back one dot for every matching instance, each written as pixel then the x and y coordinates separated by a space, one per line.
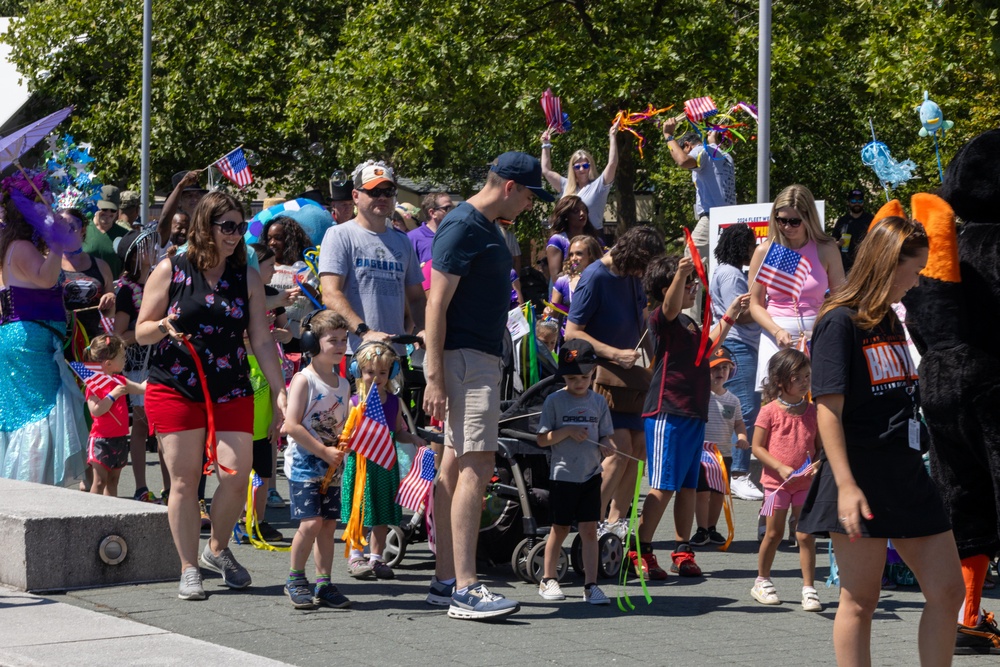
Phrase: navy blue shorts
pixel 673 451
pixel 306 502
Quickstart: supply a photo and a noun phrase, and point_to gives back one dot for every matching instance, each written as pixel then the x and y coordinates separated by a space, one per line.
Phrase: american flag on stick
pixel 700 108
pixel 715 474
pixel 552 107
pixel 107 324
pixel 372 438
pixel 416 485
pixel 784 270
pixel 95 379
pixel 767 509
pixel 234 167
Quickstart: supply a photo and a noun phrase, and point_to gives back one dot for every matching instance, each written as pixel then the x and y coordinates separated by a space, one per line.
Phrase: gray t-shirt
pixel 595 196
pixel 377 269
pixel 714 180
pixel 574 461
pixel 727 283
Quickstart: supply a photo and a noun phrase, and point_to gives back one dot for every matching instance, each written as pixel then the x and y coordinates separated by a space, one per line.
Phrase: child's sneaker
pixel 477 603
pixel 683 562
pixel 359 568
pixel 700 538
pixel 649 567
pixel 982 639
pixel 550 590
pixel 328 595
pixel 274 499
pixel 810 600
pixel 440 594
pixel 714 536
pixel 594 595
pixel 206 520
pixel 744 489
pixel 381 569
pixel 300 594
pixel 764 593
pixel 144 495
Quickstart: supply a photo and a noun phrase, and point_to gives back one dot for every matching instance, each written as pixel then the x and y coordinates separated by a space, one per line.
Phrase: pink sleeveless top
pixel 813 293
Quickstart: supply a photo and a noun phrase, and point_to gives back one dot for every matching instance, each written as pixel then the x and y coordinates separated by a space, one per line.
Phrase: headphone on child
pixel 355 371
pixel 308 341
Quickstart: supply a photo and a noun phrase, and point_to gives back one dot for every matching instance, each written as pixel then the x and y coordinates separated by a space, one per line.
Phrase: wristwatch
pixel 162 328
pixel 361 330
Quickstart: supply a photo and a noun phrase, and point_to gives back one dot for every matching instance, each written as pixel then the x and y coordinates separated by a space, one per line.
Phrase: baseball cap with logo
pixel 373 175
pixel 722 355
pixel 576 357
pixel 524 170
pixel 110 198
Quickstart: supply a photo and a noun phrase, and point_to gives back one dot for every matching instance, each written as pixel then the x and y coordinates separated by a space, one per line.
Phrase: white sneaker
pixel 595 595
pixel 764 593
pixel 742 488
pixel 619 528
pixel 550 590
pixel 810 600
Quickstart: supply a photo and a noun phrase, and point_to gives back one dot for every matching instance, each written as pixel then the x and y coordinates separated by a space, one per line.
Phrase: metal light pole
pixel 764 105
pixel 147 67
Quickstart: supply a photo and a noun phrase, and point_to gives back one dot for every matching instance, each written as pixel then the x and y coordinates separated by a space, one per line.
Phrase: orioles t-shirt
pixel 873 370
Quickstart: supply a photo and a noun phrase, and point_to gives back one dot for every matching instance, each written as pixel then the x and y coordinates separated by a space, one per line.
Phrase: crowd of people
pixel 206 333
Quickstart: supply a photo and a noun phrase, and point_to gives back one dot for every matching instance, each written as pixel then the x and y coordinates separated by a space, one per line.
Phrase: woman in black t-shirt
pixel 874 485
pixel 207 298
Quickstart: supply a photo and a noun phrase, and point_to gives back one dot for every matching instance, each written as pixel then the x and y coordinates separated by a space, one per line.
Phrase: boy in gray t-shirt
pixel 576 424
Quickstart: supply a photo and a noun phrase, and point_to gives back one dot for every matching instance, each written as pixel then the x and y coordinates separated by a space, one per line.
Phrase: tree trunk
pixel 625 182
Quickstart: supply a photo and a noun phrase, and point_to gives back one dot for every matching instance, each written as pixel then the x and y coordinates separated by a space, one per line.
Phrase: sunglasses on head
pixel 788 222
pixel 582 166
pixel 230 227
pixel 375 193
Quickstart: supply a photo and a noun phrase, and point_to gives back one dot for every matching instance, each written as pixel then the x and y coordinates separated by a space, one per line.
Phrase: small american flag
pixel 700 108
pixel 107 324
pixel 417 483
pixel 372 438
pixel 767 509
pixel 95 379
pixel 234 167
pixel 784 270
pixel 715 474
pixel 552 107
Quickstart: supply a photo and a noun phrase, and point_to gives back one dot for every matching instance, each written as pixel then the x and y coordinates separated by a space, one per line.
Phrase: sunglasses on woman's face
pixel 581 166
pixel 788 222
pixel 230 227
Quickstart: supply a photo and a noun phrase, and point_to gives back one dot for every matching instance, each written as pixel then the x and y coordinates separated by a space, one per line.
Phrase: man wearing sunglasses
pixel 368 271
pixel 851 227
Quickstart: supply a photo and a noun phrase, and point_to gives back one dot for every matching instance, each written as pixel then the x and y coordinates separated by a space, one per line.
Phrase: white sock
pixel 375 558
pixel 357 553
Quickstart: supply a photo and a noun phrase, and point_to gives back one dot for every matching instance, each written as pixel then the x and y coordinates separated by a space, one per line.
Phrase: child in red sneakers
pixel 676 409
pixel 576 425
pixel 107 449
pixel 784 438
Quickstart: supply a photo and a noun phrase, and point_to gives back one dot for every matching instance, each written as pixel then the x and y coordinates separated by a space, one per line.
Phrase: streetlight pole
pixel 147 56
pixel 764 105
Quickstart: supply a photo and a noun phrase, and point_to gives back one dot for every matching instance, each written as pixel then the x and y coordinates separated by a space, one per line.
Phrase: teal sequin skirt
pixel 43 434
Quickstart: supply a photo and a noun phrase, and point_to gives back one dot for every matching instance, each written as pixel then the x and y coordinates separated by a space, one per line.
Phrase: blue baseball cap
pixel 524 170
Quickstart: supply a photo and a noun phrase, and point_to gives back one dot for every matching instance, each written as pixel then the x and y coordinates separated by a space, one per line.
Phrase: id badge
pixel 914 434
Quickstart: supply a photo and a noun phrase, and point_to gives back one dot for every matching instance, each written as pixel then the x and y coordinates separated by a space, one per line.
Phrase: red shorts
pixel 169 412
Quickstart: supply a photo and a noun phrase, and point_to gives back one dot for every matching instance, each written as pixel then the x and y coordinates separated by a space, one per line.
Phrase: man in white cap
pixel 368 271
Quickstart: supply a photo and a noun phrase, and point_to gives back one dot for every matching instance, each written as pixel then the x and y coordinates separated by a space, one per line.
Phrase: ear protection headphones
pixel 355 371
pixel 308 341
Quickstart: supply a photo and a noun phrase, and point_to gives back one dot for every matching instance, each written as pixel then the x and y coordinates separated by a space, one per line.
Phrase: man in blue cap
pixel 466 316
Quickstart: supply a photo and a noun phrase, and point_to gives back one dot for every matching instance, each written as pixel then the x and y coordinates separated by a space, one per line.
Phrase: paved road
pixel 707 621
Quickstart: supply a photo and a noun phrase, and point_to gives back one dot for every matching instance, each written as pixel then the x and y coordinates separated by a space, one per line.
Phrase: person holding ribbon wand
pixel 195 310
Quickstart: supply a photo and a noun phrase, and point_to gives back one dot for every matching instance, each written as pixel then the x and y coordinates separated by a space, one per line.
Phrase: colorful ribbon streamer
pixel 706 316
pixel 633 534
pixel 628 121
pixel 727 497
pixel 252 526
pixel 211 442
pixel 354 535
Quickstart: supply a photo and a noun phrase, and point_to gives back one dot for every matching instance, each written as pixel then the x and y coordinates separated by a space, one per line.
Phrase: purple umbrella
pixel 19 142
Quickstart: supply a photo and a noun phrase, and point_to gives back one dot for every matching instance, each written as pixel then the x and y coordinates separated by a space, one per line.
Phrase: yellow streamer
pixel 727 497
pixel 251 522
pixel 354 534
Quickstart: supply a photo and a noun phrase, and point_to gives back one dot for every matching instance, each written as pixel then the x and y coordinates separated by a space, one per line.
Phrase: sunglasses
pixel 582 166
pixel 444 208
pixel 375 193
pixel 856 201
pixel 788 222
pixel 230 227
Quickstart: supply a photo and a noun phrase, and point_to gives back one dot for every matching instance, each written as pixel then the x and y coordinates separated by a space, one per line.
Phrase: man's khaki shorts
pixel 472 386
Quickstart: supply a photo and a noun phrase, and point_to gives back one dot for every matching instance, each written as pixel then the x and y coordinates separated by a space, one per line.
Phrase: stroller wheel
pixel 536 563
pixel 395 546
pixel 519 559
pixel 576 555
pixel 610 554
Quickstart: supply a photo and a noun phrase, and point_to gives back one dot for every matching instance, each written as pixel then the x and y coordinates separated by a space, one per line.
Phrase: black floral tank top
pixel 216 320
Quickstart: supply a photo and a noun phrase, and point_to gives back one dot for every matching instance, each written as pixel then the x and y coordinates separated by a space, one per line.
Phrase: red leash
pixel 211 442
pixel 706 317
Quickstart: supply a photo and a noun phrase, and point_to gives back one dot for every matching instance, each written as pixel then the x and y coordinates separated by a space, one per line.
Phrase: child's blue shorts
pixel 673 451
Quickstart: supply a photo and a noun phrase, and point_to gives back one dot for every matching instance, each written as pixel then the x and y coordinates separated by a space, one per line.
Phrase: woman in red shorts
pixel 206 297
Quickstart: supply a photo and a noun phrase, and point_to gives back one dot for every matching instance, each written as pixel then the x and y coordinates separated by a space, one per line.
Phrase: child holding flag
pixel 375 367
pixel 316 414
pixel 785 440
pixel 106 387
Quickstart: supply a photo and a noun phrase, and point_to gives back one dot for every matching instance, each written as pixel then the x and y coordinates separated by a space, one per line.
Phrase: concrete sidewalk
pixel 704 621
